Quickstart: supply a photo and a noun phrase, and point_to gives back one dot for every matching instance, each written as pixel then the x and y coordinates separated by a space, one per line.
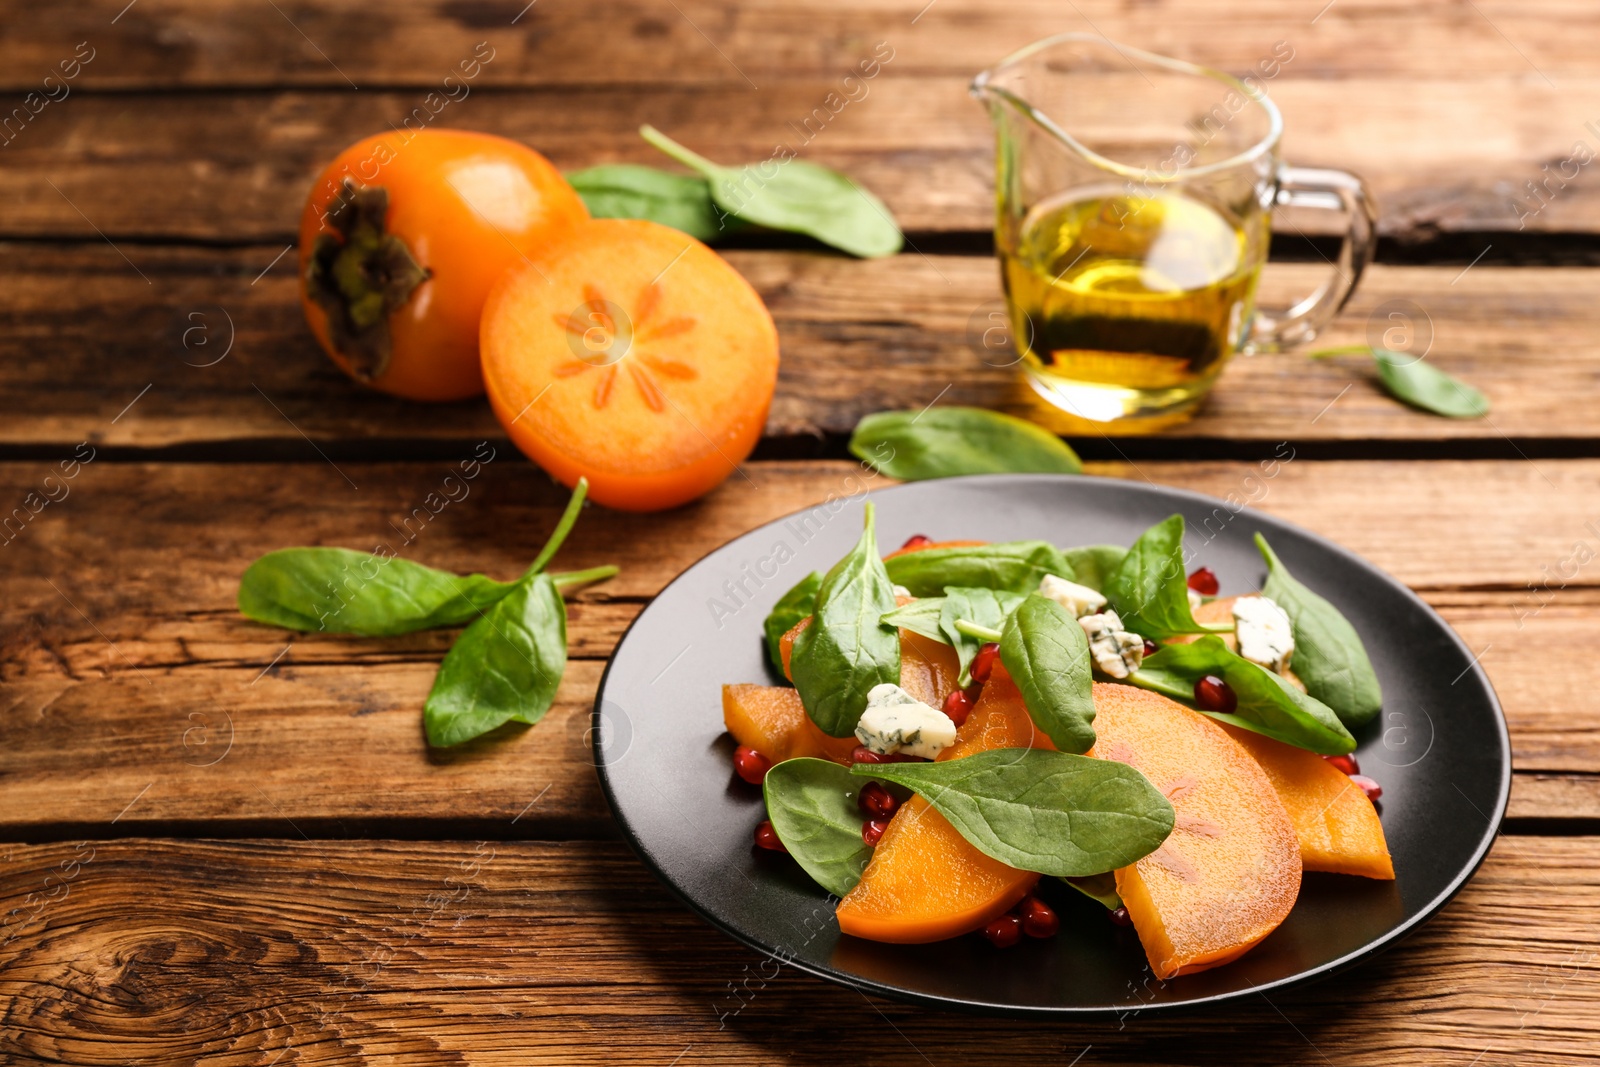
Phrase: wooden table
pixel 230 845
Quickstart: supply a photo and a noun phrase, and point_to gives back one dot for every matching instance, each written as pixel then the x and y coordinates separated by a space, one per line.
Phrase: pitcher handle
pixel 1275 329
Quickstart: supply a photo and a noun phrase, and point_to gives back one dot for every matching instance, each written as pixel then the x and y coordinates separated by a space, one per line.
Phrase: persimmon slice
pixel 631 354
pixel 771 720
pixel 925 882
pixel 1337 825
pixel 1230 871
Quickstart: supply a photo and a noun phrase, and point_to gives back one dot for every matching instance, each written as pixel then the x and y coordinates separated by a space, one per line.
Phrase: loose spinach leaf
pixel 921 616
pixel 1422 385
pixel 1267 703
pixel 1328 654
pixel 982 607
pixel 944 442
pixel 847 650
pixel 1037 810
pixel 341 591
pixel 628 191
pixel 793 606
pixel 1101 888
pixel 812 805
pixel 504 667
pixel 1047 654
pixel 1413 381
pixel 1149 589
pixel 1094 564
pixel 1010 566
pixel 796 196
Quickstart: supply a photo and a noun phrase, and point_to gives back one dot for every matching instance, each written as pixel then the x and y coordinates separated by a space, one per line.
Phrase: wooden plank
pixel 857 337
pixel 1443 154
pixel 538 952
pixel 172 44
pixel 123 664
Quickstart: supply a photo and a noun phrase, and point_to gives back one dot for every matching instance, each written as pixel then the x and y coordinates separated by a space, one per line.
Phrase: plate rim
pixel 1372 948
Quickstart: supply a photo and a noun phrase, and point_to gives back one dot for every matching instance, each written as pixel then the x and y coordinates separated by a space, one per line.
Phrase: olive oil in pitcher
pixel 1126 303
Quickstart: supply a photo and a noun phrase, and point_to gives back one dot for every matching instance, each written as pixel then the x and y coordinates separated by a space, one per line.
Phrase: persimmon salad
pixel 967 718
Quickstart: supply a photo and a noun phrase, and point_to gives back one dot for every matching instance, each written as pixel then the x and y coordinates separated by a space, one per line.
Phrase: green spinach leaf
pixel 1093 564
pixel 1412 380
pixel 921 616
pixel 987 608
pixel 1328 654
pixel 812 805
pixel 1009 566
pixel 341 591
pixel 793 606
pixel 1267 703
pixel 1422 385
pixel 796 196
pixel 1047 654
pixel 628 191
pixel 504 667
pixel 1149 589
pixel 944 442
pixel 1037 810
pixel 847 650
pixel 1101 888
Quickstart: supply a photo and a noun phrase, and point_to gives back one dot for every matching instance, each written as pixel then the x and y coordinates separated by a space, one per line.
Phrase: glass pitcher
pixel 1134 197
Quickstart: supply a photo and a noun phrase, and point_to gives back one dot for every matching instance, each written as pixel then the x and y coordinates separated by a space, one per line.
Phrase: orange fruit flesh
pixel 1230 871
pixel 632 354
pixel 1336 824
pixel 925 882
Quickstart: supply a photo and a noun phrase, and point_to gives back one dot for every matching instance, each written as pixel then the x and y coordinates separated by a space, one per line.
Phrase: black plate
pixel 1439 749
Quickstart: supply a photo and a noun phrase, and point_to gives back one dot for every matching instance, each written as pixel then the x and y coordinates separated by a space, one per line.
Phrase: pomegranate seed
pixel 1213 694
pixel 1121 918
pixel 872 830
pixel 974 691
pixel 751 765
pixel 1204 582
pixel 957 706
pixel 916 541
pixel 767 837
pixel 876 800
pixel 1038 918
pixel 1004 931
pixel 1150 647
pixel 1368 786
pixel 1347 764
pixel 983 662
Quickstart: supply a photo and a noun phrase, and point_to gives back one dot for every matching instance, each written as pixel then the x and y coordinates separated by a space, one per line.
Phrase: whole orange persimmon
pixel 401 239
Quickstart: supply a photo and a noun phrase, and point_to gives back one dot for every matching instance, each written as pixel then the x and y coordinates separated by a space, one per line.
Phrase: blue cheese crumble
pixel 1266 636
pixel 1080 600
pixel 896 721
pixel 1114 650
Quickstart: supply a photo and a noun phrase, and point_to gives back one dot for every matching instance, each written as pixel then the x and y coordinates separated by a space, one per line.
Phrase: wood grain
pixel 193 44
pixel 857 337
pixel 552 952
pixel 1443 155
pixel 123 664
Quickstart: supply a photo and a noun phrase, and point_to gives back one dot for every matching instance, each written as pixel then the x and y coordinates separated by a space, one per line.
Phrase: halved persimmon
pixel 925 882
pixel 1336 824
pixel 631 354
pixel 1230 871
